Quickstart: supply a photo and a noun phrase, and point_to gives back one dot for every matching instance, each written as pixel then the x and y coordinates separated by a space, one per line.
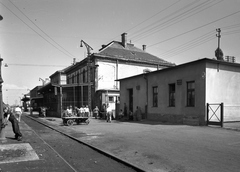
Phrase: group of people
pixel 136 116
pixel 14 116
pixel 81 112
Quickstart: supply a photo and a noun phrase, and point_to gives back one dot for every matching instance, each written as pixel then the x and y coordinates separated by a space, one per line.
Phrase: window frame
pixel 155 96
pixel 172 95
pixel 191 94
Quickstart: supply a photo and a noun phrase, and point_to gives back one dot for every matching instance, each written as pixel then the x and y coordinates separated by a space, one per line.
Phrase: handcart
pixel 70 120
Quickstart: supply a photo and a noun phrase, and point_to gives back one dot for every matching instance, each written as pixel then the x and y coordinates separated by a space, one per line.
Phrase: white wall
pixel 223 85
pixel 107 73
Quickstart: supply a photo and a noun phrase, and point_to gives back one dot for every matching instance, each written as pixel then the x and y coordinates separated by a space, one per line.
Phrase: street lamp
pixel 89 48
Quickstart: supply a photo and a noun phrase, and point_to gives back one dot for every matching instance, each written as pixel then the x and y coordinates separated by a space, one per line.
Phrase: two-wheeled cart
pixel 70 120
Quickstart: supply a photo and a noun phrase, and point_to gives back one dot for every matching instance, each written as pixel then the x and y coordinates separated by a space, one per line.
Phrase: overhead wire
pixel 151 18
pixel 194 29
pixel 35 31
pixel 148 18
pixel 41 29
pixel 192 43
pixel 197 41
pixel 12 64
pixel 178 18
pixel 146 28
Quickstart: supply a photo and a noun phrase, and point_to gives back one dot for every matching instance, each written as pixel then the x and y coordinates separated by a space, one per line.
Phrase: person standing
pixel 109 113
pixel 86 111
pixel 120 114
pixel 18 113
pixel 81 111
pixel 9 116
pixel 125 110
pixel 96 112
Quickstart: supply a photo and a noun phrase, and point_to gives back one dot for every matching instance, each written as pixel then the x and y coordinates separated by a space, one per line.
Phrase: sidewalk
pixel 30 154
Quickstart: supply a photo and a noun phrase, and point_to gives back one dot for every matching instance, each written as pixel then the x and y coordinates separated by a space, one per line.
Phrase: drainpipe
pixel 146 105
pixel 117 75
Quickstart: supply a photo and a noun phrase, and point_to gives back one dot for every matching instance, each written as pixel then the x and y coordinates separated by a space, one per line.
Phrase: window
pixel 84 75
pixel 72 79
pixel 155 96
pixel 110 99
pixel 78 78
pixel 191 93
pixel 172 95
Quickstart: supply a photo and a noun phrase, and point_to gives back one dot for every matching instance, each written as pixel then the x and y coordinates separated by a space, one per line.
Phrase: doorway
pixel 130 93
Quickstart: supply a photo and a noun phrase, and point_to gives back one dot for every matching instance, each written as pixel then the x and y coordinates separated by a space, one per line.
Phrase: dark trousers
pixel 15 128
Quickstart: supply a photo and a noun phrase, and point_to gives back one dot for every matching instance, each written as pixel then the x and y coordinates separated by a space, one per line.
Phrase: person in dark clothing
pixel 9 116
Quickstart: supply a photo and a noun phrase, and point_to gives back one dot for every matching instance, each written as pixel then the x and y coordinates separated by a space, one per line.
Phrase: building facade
pixel 100 71
pixel 180 94
pixel 93 81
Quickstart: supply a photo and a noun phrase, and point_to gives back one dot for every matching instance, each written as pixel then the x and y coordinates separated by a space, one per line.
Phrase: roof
pixel 116 50
pixel 61 71
pixel 185 64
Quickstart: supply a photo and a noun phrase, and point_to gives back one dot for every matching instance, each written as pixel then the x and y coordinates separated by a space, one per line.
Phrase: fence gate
pixel 215 114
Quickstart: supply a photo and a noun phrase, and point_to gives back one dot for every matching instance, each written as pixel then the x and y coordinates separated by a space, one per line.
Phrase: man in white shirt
pixel 18 113
pixel 86 111
pixel 109 113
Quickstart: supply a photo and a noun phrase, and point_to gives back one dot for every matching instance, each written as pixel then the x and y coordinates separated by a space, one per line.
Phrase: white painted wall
pixel 223 86
pixel 107 73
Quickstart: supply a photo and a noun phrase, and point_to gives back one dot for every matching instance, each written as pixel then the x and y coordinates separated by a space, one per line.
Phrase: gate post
pixel 207 112
pixel 222 114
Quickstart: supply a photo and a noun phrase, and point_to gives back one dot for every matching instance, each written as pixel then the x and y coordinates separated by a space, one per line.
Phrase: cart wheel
pixel 70 122
pixel 87 121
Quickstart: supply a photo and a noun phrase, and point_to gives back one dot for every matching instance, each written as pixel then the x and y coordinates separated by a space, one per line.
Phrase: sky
pixel 39 37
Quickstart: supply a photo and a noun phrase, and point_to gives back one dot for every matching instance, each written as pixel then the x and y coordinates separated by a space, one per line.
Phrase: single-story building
pixel 184 93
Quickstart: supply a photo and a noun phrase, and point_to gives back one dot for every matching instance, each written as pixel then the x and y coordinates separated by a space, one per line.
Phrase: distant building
pixel 36 99
pixel 92 81
pixel 180 94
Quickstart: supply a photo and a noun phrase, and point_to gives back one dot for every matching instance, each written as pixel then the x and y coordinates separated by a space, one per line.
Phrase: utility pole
pixel 218 52
pixel 89 48
pixel 219 36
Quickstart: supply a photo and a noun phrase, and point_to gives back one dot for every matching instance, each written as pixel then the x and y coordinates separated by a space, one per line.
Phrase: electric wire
pixel 148 18
pixel 41 29
pixel 180 17
pixel 139 32
pixel 194 29
pixel 189 47
pixel 14 64
pixel 151 18
pixel 190 43
pixel 35 30
pixel 194 43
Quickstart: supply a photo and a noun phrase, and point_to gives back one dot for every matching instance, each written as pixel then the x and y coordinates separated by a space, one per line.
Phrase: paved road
pixel 157 147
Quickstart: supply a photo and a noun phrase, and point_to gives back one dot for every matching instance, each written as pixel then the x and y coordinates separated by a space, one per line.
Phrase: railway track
pixel 77 155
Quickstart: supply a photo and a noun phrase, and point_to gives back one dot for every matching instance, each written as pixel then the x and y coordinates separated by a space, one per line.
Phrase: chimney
pixel 144 47
pixel 124 39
